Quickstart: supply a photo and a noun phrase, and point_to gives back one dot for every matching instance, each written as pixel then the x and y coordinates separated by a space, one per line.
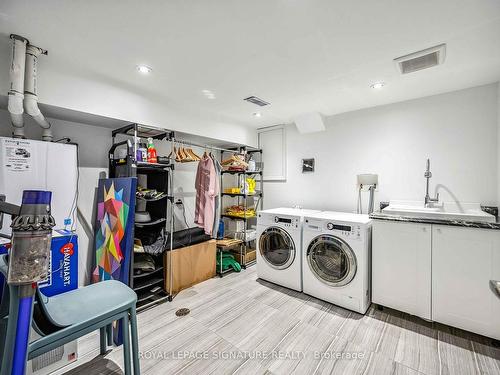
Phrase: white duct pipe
pixel 15 95
pixel 30 91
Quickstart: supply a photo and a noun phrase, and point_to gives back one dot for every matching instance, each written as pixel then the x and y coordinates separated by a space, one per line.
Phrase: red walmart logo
pixel 67 250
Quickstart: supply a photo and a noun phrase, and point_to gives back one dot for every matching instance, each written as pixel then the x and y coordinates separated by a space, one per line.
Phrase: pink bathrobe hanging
pixel 207 188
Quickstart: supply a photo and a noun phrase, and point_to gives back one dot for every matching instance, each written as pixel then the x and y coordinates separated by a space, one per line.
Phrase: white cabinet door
pixel 272 141
pixel 463 262
pixel 401 267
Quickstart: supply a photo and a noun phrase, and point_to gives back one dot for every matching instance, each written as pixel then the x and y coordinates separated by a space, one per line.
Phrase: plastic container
pixel 138 152
pixel 251 234
pixel 251 165
pixel 29 257
pixel 143 148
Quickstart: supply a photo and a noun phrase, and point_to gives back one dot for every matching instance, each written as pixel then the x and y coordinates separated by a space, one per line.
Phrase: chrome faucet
pixel 428 175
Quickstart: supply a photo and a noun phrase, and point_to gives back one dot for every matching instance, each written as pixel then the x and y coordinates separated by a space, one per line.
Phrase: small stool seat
pixel 81 306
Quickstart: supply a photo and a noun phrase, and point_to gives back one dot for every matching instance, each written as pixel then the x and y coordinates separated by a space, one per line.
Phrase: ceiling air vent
pixel 258 101
pixel 424 59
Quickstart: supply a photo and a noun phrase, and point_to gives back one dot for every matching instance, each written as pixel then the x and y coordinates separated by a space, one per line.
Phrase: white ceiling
pixel 299 55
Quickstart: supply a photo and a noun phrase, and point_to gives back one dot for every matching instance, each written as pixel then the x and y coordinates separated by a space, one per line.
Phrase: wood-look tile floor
pixel 241 325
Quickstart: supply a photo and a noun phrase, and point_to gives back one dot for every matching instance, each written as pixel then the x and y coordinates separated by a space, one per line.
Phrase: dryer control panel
pixel 348 230
pixel 283 221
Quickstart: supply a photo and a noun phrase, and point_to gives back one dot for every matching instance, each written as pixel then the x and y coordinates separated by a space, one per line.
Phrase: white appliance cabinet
pixel 464 260
pixel 439 273
pixel 401 266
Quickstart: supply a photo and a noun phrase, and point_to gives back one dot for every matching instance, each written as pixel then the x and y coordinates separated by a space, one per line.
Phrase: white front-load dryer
pixel 279 246
pixel 336 259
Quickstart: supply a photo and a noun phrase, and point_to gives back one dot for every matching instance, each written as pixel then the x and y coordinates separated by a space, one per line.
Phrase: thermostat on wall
pixel 307 165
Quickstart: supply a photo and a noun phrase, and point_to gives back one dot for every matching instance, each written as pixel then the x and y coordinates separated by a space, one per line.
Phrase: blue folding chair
pixel 68 316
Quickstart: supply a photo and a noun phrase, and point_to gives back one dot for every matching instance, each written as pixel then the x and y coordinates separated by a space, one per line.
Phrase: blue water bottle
pixel 220 232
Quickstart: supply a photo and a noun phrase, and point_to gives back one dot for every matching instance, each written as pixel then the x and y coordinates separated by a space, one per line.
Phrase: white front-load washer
pixel 336 259
pixel 279 246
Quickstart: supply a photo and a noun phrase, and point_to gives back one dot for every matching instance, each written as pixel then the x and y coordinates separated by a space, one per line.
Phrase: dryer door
pixel 331 260
pixel 277 248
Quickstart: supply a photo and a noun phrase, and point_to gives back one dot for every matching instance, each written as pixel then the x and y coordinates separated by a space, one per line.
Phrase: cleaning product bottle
pixel 138 152
pixel 143 148
pixel 151 152
pixel 251 165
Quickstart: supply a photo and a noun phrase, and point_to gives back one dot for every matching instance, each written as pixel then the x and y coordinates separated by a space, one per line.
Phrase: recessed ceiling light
pixel 257 114
pixel 377 85
pixel 144 69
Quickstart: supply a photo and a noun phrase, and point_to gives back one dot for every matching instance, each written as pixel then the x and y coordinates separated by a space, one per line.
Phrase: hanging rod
pixel 188 143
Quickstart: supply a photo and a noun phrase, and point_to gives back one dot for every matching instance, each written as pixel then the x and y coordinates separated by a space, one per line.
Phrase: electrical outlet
pixel 179 202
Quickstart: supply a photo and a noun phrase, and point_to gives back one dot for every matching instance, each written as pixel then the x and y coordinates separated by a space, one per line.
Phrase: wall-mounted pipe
pixel 30 91
pixel 16 91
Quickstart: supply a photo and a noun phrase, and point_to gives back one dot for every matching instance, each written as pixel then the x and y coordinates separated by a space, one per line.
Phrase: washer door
pixel 277 248
pixel 331 260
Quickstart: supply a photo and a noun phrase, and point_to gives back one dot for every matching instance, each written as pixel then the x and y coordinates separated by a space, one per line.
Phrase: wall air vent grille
pixel 257 101
pixel 424 59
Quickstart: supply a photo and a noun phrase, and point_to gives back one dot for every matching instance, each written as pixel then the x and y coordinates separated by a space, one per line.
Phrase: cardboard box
pixel 63 264
pixel 4 245
pixel 62 277
pixel 190 265
pixel 251 255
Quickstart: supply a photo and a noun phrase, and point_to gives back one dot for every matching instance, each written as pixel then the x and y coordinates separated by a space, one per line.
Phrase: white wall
pixel 457 131
pixel 99 95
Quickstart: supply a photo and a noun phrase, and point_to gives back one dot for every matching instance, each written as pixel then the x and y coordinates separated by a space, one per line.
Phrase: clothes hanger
pixel 178 156
pixel 192 154
pixel 186 158
pixel 196 155
pixel 171 153
pixel 229 160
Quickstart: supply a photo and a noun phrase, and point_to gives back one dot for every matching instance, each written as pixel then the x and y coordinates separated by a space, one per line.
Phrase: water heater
pixel 27 164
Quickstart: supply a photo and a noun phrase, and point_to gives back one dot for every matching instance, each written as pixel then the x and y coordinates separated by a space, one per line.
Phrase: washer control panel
pixel 287 222
pixel 348 230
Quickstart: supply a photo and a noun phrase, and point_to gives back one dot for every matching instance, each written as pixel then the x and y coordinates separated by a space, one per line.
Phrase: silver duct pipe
pixel 15 95
pixel 30 91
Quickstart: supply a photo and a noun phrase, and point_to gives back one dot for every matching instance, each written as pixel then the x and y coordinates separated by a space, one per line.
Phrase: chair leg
pixel 109 331
pixel 135 342
pixel 126 345
pixel 102 339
